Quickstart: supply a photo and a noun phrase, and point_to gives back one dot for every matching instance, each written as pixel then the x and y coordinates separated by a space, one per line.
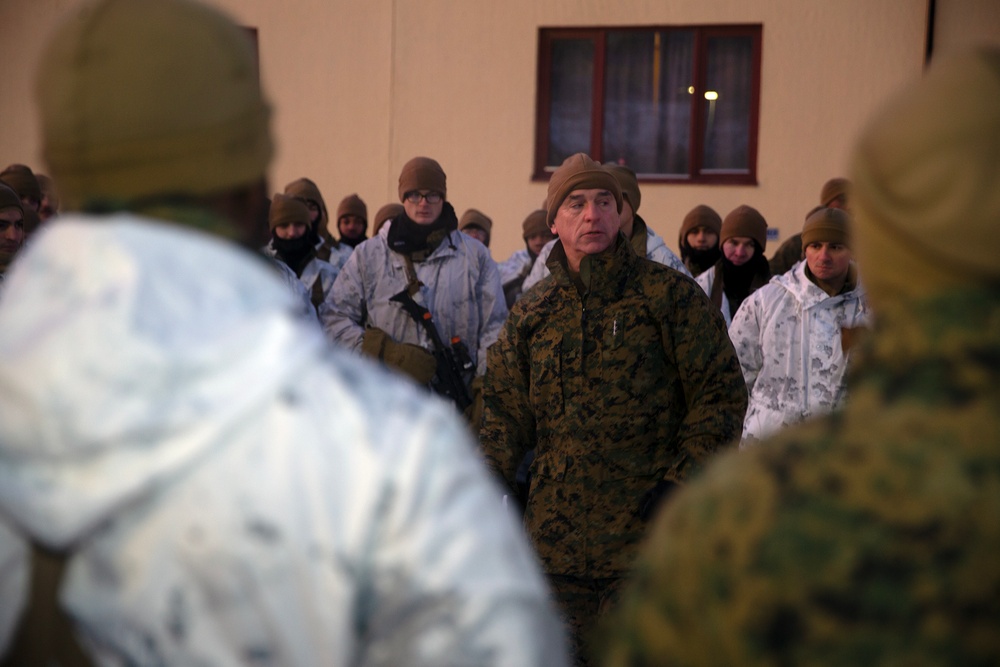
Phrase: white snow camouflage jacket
pixel 231 488
pixel 787 335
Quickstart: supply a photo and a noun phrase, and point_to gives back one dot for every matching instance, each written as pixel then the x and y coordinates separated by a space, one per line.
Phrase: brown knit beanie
pixel 535 224
pixel 925 174
pixel 286 209
pixel 628 182
pixel 140 98
pixel 9 198
pixel 833 189
pixel 22 180
pixel 422 173
pixel 747 222
pixel 352 205
pixel 476 218
pixel 827 224
pixel 700 216
pixel 386 213
pixel 579 172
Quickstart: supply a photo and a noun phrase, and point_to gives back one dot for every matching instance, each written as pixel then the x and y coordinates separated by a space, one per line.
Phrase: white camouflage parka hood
pixel 230 488
pixel 787 335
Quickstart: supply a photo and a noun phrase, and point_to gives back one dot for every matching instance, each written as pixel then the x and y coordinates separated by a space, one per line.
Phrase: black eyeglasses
pixel 414 197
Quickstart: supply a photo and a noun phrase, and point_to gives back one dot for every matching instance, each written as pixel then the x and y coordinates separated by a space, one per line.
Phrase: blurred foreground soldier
pixel 328 248
pixel 620 373
pixel 869 537
pixel 420 263
pixel 644 241
pixel 476 224
pixel 212 482
pixel 834 194
pixel 699 239
pixel 384 214
pixel 794 335
pixel 536 234
pixel 11 227
pixel 742 269
pixel 293 242
pixel 352 220
pixel 49 206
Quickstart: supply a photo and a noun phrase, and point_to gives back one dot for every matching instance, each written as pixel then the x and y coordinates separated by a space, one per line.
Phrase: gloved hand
pixel 474 413
pixel 652 499
pixel 412 360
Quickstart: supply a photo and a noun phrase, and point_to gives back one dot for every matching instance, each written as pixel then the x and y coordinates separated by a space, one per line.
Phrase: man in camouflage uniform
pixel 869 537
pixel 619 372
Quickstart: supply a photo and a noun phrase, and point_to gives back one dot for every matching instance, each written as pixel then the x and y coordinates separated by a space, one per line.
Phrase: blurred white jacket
pixel 787 335
pixel 231 488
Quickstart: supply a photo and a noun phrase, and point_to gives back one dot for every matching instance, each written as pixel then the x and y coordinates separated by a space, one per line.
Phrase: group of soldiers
pixel 191 473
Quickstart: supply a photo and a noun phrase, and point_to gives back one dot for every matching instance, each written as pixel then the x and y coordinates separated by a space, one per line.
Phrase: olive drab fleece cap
pixel 628 183
pixel 9 198
pixel 700 216
pixel 744 221
pixel 422 173
pixel 23 181
pixel 535 224
pixel 926 180
pixel 830 225
pixel 579 172
pixel 150 97
pixel 832 189
pixel 352 205
pixel 287 210
pixel 387 212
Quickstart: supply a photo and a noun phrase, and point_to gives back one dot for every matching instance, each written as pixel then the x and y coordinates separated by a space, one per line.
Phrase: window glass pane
pixel 726 107
pixel 647 106
pixel 572 96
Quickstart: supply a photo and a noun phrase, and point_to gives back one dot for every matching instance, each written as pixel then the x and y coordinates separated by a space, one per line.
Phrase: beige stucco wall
pixel 360 87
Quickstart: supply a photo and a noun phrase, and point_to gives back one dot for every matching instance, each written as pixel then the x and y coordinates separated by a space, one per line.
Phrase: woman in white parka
pixel 793 335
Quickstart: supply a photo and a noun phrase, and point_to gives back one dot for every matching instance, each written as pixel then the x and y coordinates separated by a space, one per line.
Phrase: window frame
pixel 702 34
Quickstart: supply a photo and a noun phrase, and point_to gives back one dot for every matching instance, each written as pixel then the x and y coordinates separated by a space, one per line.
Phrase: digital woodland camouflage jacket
pixel 633 382
pixel 867 537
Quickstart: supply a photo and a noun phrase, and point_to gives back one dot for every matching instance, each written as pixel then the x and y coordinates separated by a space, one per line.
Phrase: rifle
pixel 453 362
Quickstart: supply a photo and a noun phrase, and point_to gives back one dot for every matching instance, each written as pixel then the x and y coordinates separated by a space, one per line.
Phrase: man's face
pixel 46 210
pixel 828 261
pixel 536 242
pixel 423 206
pixel 314 211
pixel 11 231
pixel 587 222
pixel 702 238
pixel 351 227
pixel 31 203
pixel 290 230
pixel 477 233
pixel 738 249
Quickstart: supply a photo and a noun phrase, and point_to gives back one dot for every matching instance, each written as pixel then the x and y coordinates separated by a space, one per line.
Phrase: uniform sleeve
pixel 745 334
pixel 714 391
pixel 455 580
pixel 342 311
pixel 492 310
pixel 508 430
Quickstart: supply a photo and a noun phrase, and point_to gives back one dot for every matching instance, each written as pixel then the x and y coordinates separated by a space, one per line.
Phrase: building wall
pixel 360 87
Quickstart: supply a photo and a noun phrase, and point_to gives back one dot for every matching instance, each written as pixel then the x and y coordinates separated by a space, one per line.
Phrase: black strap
pixel 45 635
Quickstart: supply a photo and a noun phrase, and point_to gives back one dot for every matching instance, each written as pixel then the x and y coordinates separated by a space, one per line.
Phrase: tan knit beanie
pixel 628 182
pixel 150 97
pixel 579 172
pixel 9 198
pixel 352 205
pixel 744 221
pixel 286 209
pixel 422 173
pixel 387 212
pixel 700 216
pixel 827 224
pixel 834 188
pixel 535 224
pixel 476 218
pixel 926 175
pixel 23 181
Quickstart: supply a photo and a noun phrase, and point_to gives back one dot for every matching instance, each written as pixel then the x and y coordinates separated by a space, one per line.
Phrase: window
pixel 673 103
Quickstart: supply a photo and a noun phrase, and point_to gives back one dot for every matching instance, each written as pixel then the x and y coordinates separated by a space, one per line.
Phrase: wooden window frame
pixel 702 33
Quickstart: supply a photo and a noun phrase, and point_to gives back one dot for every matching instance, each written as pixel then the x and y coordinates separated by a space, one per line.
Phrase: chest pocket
pixel 632 356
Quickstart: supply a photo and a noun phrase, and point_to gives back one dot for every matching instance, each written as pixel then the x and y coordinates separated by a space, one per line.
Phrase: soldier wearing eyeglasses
pixel 422 252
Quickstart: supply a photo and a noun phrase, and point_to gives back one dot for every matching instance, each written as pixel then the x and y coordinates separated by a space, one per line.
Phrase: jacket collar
pixel 608 270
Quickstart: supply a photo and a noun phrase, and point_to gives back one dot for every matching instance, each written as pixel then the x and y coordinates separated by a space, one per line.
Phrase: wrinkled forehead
pixel 588 194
